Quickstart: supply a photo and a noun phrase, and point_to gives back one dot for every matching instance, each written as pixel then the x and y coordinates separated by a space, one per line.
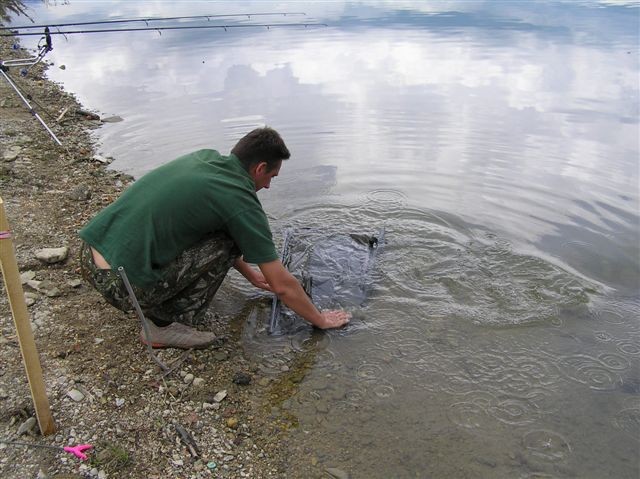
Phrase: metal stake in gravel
pixel 28 349
pixel 143 320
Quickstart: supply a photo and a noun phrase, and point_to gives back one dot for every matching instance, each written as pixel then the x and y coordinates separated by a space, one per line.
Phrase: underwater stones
pixel 241 378
pixel 52 255
pixel 336 473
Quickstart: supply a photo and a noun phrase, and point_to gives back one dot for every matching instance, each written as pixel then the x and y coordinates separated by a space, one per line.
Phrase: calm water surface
pixel 497 143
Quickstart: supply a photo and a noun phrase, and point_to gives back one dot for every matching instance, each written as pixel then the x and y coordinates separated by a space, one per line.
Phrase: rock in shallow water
pixel 336 473
pixel 241 378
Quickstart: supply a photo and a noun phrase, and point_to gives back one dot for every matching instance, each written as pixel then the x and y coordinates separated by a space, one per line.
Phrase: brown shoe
pixel 176 335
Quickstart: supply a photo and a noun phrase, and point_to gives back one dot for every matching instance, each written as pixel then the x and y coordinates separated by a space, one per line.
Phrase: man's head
pixel 261 152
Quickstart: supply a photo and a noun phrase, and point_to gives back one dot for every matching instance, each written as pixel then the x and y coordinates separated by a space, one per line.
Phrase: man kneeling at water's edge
pixel 178 230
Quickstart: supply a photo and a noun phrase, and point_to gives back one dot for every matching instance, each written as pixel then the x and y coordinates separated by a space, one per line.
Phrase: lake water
pixel 496 142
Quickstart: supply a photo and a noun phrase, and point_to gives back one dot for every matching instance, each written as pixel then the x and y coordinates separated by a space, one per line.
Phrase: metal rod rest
pixel 143 320
pixel 26 102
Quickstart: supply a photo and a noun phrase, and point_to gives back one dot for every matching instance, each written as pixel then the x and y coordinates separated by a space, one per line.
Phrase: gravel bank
pixel 103 388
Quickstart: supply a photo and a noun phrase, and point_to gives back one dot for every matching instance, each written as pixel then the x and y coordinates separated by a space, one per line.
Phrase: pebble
pixel 27 426
pixel 207 405
pixel 177 462
pixel 119 402
pixel 220 395
pixel 264 381
pixel 232 423
pixel 3 393
pixel 12 153
pixel 52 255
pixel 26 276
pixel 75 283
pixel 241 378
pixel 211 465
pixel 102 474
pixel 112 119
pixel 29 299
pixel 336 473
pixel 188 379
pixel 198 381
pixel 98 340
pixel 221 356
pixel 76 395
pixel 80 193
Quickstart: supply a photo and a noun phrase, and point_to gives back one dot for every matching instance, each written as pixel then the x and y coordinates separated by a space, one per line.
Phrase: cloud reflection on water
pixel 507 113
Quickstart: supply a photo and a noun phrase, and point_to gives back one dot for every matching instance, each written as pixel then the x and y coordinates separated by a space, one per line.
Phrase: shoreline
pixel 102 387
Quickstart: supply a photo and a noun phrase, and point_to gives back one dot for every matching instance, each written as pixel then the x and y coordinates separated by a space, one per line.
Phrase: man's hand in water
pixel 334 319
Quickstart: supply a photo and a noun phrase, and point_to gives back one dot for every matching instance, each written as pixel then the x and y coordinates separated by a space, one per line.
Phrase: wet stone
pixel 336 473
pixel 112 119
pixel 241 378
pixel 221 356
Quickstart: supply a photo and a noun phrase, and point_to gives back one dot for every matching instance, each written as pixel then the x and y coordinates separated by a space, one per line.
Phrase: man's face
pixel 263 175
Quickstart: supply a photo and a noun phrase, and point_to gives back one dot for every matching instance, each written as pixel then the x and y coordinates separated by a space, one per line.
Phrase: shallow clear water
pixel 496 142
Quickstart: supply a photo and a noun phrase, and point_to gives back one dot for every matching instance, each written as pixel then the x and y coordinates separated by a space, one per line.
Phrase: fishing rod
pixel 154 19
pixel 160 29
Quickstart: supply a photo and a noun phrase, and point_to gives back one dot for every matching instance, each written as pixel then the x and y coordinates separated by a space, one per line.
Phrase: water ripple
pixel 547 445
pixel 592 372
pixel 628 420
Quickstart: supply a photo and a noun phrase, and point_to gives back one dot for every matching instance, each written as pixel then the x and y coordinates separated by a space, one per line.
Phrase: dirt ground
pixel 121 402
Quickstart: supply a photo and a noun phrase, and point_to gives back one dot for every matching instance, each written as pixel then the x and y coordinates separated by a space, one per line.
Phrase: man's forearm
pixel 296 299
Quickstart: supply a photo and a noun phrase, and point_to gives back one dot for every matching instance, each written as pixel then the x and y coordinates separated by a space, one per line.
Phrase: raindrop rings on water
pixel 384 391
pixel 546 445
pixel 369 371
pixel 628 420
pixel 614 361
pixel 630 348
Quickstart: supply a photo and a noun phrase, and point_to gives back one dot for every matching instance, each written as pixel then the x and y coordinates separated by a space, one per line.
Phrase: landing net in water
pixel 335 272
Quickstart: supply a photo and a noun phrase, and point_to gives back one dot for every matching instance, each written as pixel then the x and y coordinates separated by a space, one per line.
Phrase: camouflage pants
pixel 187 287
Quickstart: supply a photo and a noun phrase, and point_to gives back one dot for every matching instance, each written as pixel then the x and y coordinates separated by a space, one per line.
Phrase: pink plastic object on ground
pixel 78 450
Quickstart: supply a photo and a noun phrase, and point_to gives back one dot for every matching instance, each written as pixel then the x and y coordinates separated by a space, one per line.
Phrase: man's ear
pixel 262 168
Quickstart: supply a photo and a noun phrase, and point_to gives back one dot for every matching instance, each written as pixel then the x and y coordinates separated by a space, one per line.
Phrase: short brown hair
pixel 262 144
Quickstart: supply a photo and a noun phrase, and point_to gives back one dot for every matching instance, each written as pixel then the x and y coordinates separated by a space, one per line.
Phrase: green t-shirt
pixel 174 207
